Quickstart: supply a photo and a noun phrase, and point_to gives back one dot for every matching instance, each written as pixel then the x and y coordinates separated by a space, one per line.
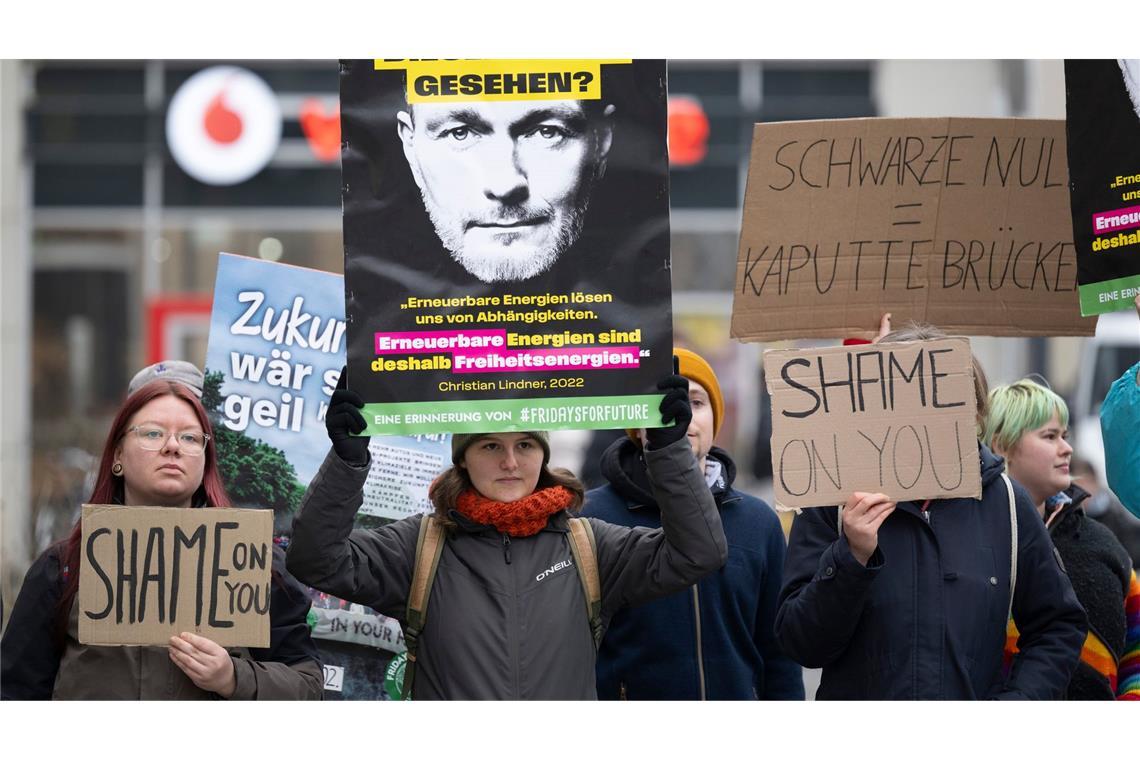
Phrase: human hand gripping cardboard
pixel 863 514
pixel 884 329
pixel 206 663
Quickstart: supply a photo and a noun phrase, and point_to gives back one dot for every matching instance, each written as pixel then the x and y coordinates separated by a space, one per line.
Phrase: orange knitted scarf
pixel 524 517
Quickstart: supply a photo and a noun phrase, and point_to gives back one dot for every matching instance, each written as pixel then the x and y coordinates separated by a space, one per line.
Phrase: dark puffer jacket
pixel 507 617
pixel 926 618
pixel 714 640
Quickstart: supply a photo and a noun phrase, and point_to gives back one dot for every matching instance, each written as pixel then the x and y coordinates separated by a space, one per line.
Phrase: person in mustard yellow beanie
pixel 713 640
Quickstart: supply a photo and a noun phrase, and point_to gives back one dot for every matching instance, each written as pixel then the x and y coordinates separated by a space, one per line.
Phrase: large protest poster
pixel 277 345
pixel 506 228
pixel 963 223
pixel 276 348
pixel 1103 118
pixel 149 573
pixel 893 418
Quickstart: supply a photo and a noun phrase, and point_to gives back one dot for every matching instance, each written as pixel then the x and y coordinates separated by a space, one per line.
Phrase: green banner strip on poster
pixel 1110 295
pixel 510 415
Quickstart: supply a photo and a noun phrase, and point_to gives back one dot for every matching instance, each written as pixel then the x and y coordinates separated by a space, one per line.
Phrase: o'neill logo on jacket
pixel 554 569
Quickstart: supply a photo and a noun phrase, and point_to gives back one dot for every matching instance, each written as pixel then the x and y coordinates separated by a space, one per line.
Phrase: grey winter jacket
pixel 507 616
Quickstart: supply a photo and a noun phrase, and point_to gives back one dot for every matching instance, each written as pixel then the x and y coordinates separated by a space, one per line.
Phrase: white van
pixel 1103 358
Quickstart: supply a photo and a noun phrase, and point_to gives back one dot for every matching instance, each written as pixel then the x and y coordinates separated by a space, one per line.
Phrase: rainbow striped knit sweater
pixel 1102 575
pixel 1123 677
pixel 1128 672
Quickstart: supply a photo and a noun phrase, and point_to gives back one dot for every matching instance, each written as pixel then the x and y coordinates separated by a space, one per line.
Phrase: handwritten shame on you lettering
pixel 895 418
pixel 149 573
pixel 960 222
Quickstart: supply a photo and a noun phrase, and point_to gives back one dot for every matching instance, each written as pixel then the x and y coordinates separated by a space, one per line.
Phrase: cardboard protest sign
pixel 149 573
pixel 277 341
pixel 893 418
pixel 506 228
pixel 963 223
pixel 1103 122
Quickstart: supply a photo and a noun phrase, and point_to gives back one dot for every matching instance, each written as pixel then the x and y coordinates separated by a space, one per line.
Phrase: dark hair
pixel 445 490
pixel 109 487
pixel 926 331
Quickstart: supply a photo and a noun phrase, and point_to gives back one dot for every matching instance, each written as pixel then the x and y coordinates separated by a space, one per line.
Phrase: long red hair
pixel 109 487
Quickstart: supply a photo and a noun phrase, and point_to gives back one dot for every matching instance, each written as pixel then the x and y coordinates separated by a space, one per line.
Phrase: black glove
pixel 344 418
pixel 674 408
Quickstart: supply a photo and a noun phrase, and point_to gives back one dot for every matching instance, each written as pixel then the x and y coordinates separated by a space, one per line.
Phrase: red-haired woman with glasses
pixel 158 453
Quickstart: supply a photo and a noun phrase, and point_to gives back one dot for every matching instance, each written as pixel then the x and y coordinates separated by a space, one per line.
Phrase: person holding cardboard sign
pixel 1027 424
pixel 508 616
pixel 910 600
pixel 158 453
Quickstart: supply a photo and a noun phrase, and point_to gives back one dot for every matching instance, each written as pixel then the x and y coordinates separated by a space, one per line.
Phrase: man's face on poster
pixel 506 184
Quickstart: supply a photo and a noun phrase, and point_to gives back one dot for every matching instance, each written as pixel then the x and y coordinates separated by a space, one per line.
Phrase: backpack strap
pixel 429 547
pixel 1012 543
pixel 585 553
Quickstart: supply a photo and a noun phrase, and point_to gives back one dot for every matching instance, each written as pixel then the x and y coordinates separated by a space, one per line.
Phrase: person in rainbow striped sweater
pixel 1027 424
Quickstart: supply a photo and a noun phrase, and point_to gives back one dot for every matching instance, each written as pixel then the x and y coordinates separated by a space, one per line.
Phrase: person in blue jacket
pixel 911 600
pixel 713 640
pixel 1119 422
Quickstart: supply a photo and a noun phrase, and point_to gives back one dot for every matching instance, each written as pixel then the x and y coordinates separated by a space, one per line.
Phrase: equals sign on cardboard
pixel 906 222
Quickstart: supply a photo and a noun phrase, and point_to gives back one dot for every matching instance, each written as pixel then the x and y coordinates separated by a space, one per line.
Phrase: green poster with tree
pixel 276 349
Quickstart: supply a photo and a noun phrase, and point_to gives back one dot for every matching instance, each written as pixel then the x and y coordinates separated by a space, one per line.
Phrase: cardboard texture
pixel 893 418
pixel 149 573
pixel 963 223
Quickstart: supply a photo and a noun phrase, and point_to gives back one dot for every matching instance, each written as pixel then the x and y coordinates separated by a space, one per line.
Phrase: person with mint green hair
pixel 1028 424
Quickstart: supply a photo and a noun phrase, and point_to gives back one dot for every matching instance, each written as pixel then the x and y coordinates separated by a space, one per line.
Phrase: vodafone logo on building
pixel 223 125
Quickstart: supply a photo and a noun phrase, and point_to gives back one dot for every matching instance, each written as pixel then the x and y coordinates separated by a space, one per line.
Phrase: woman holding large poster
pixel 159 452
pixel 508 613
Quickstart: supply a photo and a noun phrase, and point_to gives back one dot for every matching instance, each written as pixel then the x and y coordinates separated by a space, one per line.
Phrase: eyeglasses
pixel 154 438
